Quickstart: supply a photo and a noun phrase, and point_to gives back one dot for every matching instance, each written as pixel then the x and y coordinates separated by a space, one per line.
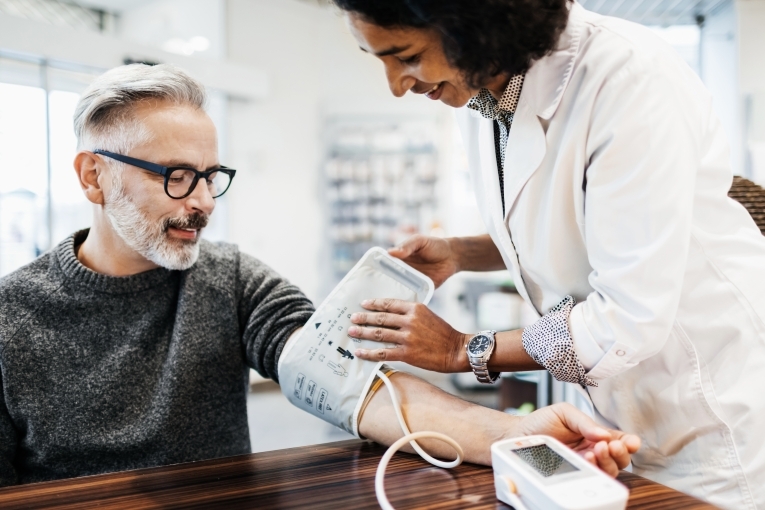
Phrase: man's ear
pixel 89 172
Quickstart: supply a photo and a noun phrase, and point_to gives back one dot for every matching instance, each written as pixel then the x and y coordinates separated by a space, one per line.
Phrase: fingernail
pixel 360 352
pixel 353 330
pixel 354 317
pixel 366 302
pixel 602 431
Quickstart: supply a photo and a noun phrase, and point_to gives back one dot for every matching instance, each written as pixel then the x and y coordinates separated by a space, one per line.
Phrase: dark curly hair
pixel 482 38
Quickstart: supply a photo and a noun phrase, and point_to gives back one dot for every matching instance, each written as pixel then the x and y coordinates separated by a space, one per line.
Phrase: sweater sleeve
pixel 8 442
pixel 270 310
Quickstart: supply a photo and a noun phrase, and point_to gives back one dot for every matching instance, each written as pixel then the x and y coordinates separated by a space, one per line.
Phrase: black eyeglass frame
pixel 165 171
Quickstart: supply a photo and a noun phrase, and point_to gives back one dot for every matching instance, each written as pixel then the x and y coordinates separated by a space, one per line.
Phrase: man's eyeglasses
pixel 180 181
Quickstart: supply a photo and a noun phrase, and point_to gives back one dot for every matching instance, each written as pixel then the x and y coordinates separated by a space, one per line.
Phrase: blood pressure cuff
pixel 318 371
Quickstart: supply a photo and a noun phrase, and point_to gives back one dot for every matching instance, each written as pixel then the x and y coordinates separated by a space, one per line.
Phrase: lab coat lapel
pixel 493 203
pixel 543 89
pixel 490 177
pixel 526 148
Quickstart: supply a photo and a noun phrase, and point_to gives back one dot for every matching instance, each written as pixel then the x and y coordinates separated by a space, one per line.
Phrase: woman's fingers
pixel 391 336
pixel 384 320
pixel 408 247
pixel 423 339
pixel 385 354
pixel 393 313
pixel 388 305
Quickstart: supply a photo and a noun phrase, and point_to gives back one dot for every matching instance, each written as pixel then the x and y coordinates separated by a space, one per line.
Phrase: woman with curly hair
pixel 601 173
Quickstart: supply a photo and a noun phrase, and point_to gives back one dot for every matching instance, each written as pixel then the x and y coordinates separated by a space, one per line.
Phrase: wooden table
pixel 335 475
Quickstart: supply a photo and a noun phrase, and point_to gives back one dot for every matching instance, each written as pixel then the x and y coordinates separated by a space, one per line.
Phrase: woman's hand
pixel 432 256
pixel 420 337
pixel 610 450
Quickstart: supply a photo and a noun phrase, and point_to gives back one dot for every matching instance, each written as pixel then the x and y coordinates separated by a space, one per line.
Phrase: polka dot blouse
pixel 502 112
pixel 548 341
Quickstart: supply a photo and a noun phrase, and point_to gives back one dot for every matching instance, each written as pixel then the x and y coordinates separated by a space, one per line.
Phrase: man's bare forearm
pixel 477 253
pixel 476 428
pixel 426 407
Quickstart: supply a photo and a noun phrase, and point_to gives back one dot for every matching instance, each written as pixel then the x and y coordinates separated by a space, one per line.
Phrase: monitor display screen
pixel 545 460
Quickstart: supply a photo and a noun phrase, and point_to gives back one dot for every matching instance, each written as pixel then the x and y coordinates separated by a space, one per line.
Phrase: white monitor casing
pixel 586 488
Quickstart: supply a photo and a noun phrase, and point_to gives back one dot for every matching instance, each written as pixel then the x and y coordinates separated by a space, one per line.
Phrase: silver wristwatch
pixel 479 350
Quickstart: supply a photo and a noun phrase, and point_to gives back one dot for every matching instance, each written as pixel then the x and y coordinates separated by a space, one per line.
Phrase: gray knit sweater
pixel 105 374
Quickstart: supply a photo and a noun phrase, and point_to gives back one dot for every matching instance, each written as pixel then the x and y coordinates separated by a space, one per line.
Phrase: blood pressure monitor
pixel 547 475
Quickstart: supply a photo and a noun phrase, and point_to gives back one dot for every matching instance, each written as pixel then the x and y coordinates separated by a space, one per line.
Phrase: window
pixel 40 200
pixel 23 186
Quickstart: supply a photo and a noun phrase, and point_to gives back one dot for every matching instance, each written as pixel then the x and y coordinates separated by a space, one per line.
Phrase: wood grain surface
pixel 332 476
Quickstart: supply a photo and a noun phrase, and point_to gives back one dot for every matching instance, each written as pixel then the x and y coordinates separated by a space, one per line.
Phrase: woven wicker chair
pixel 752 197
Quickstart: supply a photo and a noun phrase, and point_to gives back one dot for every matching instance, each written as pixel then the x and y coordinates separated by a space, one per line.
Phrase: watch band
pixel 483 374
pixel 480 365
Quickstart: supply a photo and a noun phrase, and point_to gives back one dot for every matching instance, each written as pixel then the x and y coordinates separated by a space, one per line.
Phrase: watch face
pixel 478 345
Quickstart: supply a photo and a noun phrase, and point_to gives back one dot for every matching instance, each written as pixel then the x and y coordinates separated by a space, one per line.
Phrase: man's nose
pixel 399 82
pixel 201 198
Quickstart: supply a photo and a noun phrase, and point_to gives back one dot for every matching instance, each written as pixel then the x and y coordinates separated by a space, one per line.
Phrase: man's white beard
pixel 146 236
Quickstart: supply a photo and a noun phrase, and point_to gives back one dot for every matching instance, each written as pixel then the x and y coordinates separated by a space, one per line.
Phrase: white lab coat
pixel 616 180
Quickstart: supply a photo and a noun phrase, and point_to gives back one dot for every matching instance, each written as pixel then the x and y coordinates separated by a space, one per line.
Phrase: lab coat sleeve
pixel 270 310
pixel 643 153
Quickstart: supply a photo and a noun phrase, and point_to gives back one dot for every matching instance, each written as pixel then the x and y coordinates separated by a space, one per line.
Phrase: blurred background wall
pixel 329 163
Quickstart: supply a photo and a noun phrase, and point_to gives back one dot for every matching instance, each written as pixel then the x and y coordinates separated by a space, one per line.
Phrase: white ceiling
pixel 648 12
pixel 655 12
pixel 113 5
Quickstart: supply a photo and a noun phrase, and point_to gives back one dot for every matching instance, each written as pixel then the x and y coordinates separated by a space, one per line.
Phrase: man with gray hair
pixel 129 344
pixel 106 124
